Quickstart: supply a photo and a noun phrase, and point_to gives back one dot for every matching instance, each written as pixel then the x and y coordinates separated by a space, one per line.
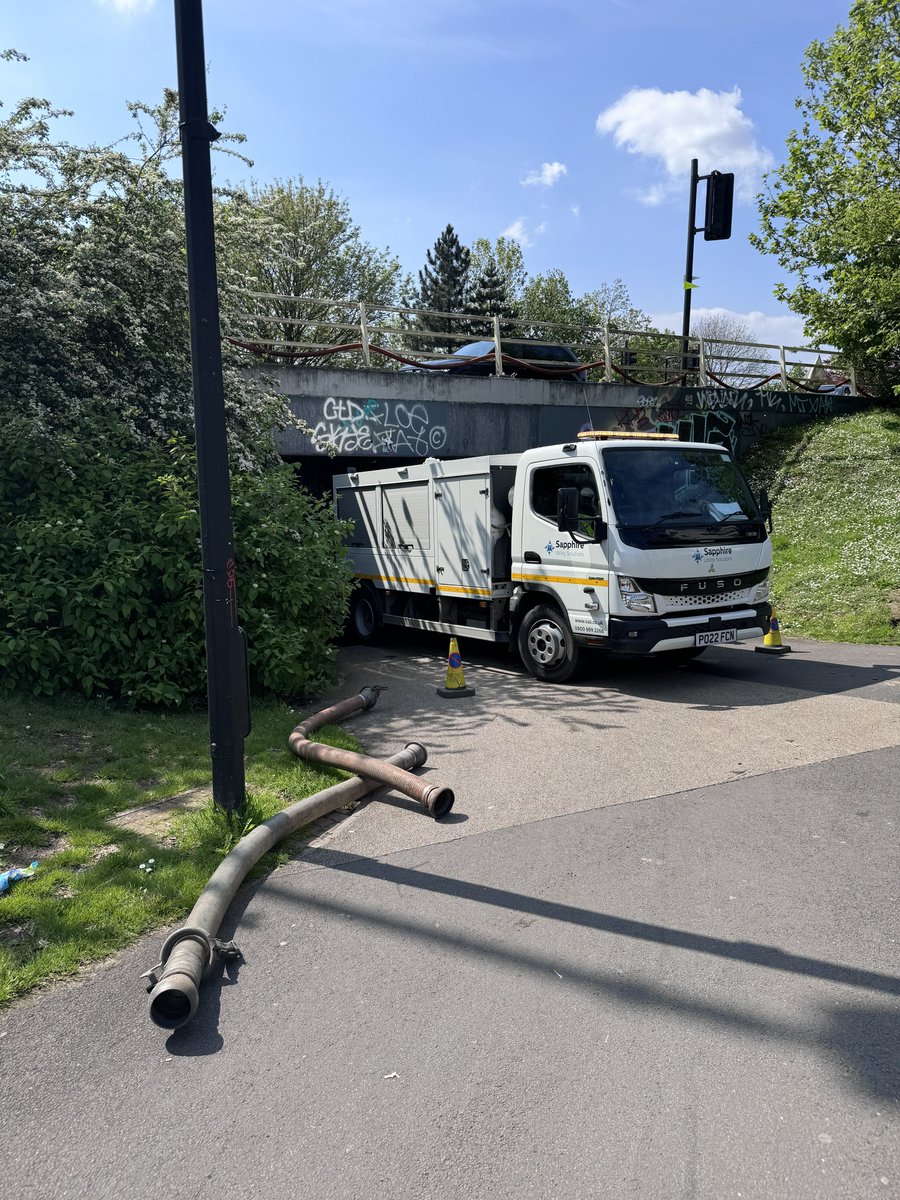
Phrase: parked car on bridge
pixel 539 357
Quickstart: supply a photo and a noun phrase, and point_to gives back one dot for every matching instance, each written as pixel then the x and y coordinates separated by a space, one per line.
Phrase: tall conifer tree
pixel 489 298
pixel 443 287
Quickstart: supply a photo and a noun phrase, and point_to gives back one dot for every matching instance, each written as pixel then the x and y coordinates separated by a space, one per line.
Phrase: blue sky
pixel 569 124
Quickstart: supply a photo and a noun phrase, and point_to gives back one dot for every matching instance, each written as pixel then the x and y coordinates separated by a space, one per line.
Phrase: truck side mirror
pixel 566 509
pixel 569 518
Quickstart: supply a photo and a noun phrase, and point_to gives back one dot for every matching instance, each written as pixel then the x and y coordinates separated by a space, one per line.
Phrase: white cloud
pixel 517 231
pixel 128 6
pixel 776 330
pixel 549 174
pixel 674 127
pixel 575 210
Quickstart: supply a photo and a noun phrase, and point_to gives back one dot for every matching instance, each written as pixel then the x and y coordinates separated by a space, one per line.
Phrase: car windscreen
pixel 671 486
pixel 537 352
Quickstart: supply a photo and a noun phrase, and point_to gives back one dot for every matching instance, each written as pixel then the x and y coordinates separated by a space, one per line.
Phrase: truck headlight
pixel 632 596
pixel 762 590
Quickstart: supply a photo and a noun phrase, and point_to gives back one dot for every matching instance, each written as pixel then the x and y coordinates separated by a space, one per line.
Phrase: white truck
pixel 639 544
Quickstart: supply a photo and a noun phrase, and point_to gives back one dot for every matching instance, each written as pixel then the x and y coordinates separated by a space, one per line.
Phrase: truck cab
pixel 638 545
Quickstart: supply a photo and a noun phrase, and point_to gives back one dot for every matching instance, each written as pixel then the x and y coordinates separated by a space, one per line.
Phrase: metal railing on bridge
pixel 354 333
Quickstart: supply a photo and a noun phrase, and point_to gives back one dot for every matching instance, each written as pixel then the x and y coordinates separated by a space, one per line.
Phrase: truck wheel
pixel 546 645
pixel 364 624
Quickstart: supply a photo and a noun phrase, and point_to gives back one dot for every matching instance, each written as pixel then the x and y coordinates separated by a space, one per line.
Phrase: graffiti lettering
pixel 377 427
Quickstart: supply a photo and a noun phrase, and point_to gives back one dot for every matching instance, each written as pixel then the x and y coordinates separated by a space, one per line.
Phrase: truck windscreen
pixel 670 493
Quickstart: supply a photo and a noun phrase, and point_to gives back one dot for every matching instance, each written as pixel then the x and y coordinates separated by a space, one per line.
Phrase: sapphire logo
pixel 549 547
pixel 697 556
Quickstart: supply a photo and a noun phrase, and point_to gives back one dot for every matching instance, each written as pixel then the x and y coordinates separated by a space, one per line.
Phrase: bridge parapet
pixel 390 414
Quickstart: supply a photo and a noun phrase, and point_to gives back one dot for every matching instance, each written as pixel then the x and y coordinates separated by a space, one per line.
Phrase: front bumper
pixel 649 635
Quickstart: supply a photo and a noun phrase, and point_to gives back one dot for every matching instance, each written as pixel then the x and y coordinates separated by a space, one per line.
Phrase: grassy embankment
pixel 66 768
pixel 835 486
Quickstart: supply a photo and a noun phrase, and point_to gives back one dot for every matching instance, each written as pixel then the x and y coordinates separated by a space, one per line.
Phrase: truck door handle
pixel 531 557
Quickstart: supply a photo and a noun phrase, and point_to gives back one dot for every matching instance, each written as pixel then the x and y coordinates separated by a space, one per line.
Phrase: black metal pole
pixel 689 269
pixel 229 704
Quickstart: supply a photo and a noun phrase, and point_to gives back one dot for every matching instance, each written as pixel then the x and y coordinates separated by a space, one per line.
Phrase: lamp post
pixel 226 655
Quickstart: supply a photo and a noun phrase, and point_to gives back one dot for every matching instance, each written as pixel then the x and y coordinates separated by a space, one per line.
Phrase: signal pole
pixel 689 269
pixel 715 228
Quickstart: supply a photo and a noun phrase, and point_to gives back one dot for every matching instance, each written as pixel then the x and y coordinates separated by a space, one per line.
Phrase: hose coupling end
pixel 438 801
pixel 419 753
pixel 370 694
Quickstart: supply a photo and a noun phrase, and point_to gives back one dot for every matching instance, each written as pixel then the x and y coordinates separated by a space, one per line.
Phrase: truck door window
pixel 545 485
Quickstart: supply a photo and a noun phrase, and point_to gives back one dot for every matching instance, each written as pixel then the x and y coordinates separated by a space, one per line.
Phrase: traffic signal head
pixel 719 201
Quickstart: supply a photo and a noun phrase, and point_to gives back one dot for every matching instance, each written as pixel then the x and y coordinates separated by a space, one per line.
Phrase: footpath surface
pixel 653 953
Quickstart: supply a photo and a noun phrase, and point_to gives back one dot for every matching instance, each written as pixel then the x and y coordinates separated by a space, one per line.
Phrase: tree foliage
pixel 831 212
pixel 443 288
pixel 301 241
pixel 98 509
pixel 504 257
pixel 488 299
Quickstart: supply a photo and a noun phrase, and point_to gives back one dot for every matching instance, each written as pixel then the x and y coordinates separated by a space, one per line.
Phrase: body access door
pixel 462 560
pixel 569 566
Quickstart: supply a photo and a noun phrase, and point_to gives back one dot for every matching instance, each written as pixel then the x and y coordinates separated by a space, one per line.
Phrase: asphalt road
pixel 653 953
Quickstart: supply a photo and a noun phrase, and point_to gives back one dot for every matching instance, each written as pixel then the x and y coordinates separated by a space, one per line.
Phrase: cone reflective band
pixel 455 684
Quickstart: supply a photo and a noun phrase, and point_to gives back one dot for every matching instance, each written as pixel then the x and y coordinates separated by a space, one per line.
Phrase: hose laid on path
pixel 188 953
pixel 435 798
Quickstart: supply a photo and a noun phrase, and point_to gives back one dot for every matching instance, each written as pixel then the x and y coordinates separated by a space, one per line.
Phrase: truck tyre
pixel 364 623
pixel 546 645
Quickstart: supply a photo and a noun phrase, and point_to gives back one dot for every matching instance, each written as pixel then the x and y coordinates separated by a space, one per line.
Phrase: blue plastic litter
pixel 14 874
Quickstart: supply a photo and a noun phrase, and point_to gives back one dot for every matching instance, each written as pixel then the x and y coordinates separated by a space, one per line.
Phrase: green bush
pixel 102 584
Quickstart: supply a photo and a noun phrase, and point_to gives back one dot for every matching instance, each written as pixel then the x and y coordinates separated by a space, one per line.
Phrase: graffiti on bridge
pixel 716 426
pixel 377 427
pixel 706 399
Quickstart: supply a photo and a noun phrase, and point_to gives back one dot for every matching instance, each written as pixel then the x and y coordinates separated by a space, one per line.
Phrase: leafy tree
pixel 550 311
pixel 443 287
pixel 505 256
pixel 303 243
pixel 98 510
pixel 831 212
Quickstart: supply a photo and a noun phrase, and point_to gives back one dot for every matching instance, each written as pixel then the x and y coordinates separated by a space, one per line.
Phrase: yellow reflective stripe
pixel 396 579
pixel 469 591
pixel 518 578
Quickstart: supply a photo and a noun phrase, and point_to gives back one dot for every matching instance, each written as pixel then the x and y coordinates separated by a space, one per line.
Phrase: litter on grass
pixel 14 874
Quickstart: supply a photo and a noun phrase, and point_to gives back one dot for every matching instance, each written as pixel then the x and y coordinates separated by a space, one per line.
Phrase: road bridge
pixel 364 417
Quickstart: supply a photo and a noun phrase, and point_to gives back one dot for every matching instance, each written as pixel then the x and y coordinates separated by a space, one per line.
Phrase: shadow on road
pixel 864 1039
pixel 723 679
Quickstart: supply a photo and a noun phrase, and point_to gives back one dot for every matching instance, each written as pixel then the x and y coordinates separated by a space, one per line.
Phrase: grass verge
pixel 835 485
pixel 66 768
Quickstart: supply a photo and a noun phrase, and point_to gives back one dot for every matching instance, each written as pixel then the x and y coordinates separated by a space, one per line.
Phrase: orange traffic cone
pixel 772 643
pixel 456 680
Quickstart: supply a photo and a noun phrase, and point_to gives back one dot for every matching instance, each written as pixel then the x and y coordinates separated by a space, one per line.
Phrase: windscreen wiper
pixel 730 519
pixel 671 516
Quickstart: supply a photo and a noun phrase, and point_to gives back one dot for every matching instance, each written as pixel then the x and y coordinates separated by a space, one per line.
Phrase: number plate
pixel 716 637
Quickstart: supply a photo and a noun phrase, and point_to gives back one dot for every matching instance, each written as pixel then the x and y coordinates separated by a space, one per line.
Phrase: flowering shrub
pixel 102 581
